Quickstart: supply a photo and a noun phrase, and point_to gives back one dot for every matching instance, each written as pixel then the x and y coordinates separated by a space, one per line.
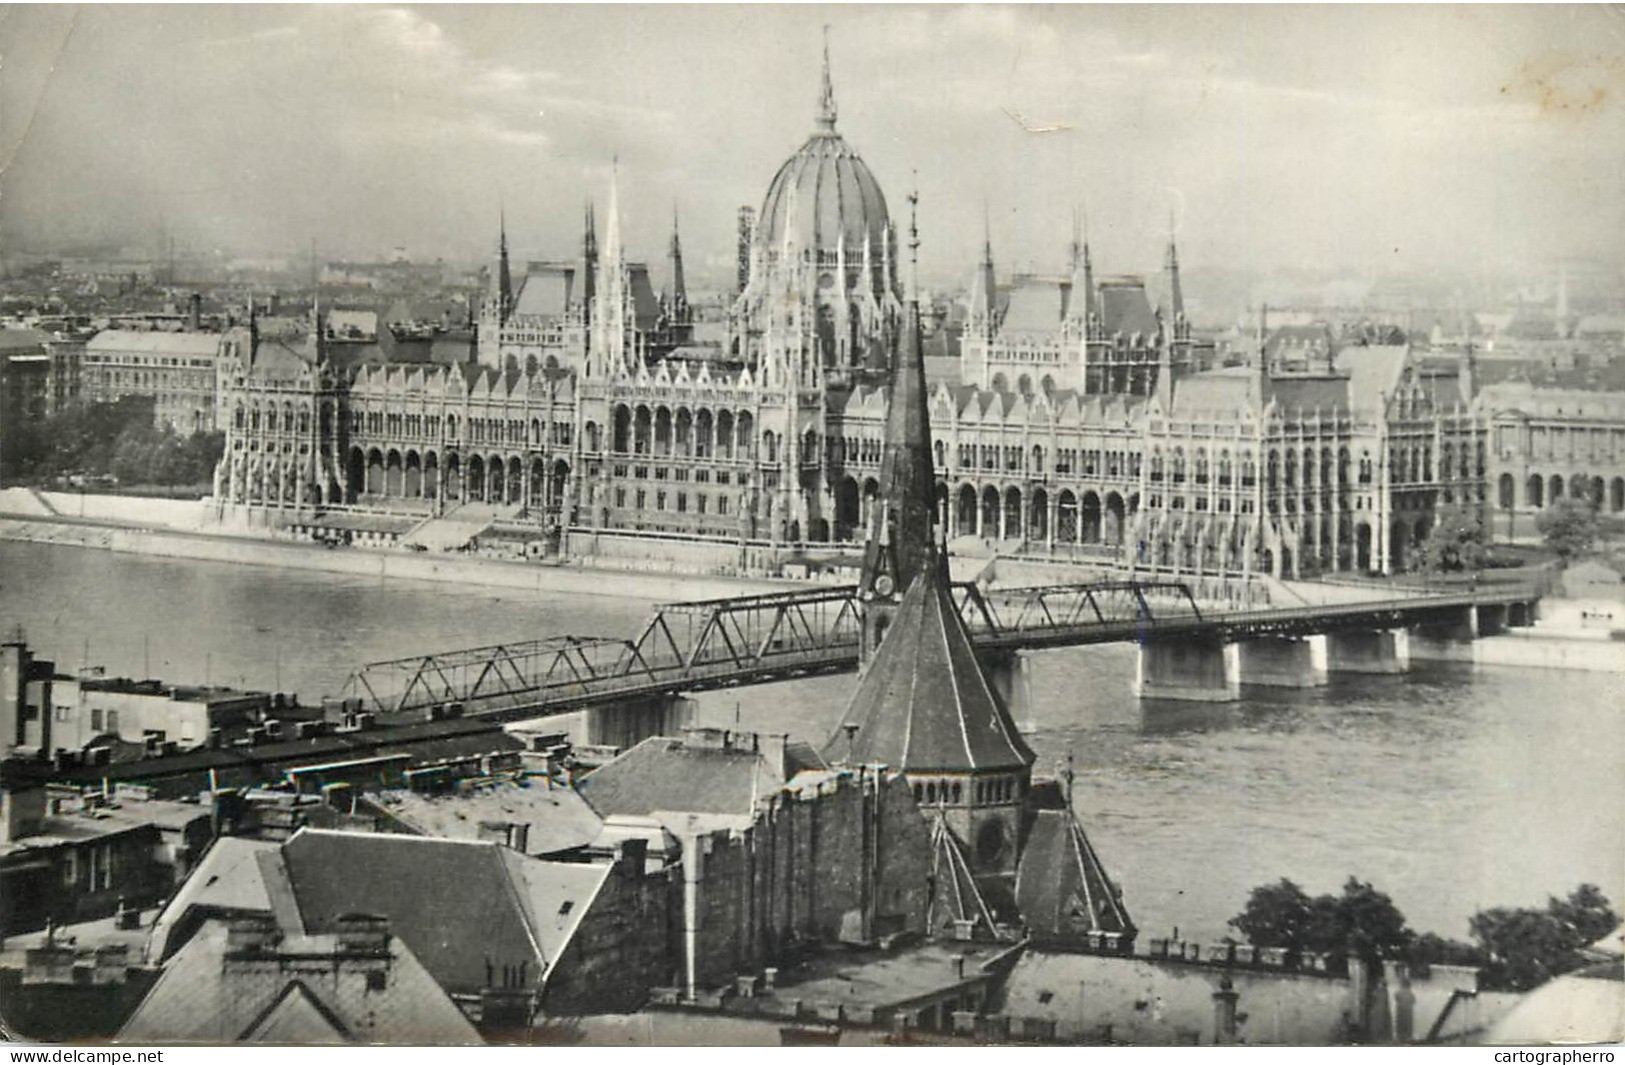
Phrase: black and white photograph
pixel 781 525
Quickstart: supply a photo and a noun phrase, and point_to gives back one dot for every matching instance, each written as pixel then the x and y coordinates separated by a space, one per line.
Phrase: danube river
pixel 1450 789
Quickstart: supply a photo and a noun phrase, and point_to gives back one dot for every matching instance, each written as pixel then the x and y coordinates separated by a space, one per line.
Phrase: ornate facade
pixel 1090 423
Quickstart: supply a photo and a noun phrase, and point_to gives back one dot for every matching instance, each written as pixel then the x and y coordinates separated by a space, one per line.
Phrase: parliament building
pixel 1088 423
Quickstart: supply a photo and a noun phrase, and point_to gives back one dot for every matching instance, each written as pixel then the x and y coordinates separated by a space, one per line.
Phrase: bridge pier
pixel 1010 674
pixel 629 723
pixel 1376 651
pixel 1446 639
pixel 1193 669
pixel 1283 661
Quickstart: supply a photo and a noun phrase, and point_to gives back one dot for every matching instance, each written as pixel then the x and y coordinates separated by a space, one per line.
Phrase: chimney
pixel 630 857
pixel 362 933
pixel 256 934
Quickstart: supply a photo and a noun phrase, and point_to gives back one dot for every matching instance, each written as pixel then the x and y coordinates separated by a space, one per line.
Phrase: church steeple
pixel 825 116
pixel 902 537
pixel 1081 308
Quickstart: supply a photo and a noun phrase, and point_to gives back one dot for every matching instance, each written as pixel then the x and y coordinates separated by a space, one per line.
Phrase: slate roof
pixel 923 703
pixel 1061 886
pixel 228 880
pixel 195 1000
pixel 1374 370
pixel 1035 305
pixel 459 905
pixel 558 818
pixel 546 290
pixel 1225 391
pixel 955 895
pixel 1125 308
pixel 195 345
pixel 666 773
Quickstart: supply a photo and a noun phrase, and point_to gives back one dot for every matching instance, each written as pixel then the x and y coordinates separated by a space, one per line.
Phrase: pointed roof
pixel 924 704
pixel 1061 887
pixel 906 519
pixel 955 895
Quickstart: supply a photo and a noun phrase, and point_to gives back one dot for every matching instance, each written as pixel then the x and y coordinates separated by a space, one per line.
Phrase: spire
pixel 1175 295
pixel 1082 304
pixel 589 234
pixel 589 259
pixel 902 540
pixel 504 276
pixel 825 117
pixel 983 291
pixel 679 291
pixel 924 705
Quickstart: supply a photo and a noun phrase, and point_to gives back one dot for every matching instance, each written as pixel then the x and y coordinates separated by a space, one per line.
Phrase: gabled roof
pixel 196 999
pixel 461 906
pixel 1061 887
pixel 295 1016
pixel 923 703
pixel 227 881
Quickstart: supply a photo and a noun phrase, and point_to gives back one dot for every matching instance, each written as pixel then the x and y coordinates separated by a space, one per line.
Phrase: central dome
pixel 824 195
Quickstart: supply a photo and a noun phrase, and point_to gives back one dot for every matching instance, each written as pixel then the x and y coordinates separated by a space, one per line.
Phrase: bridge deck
pixel 716 643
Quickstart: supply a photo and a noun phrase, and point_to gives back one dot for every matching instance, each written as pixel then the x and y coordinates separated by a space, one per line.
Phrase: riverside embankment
pixel 166 528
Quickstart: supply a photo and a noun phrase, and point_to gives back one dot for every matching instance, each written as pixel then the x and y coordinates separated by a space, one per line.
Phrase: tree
pixel 1569 527
pixel 1526 947
pixel 1362 921
pixel 1456 544
pixel 1276 915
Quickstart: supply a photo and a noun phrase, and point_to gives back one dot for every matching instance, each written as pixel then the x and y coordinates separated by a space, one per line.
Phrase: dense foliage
pixel 1362 921
pixel 1569 527
pixel 103 440
pixel 1515 949
pixel 1457 543
pixel 1526 947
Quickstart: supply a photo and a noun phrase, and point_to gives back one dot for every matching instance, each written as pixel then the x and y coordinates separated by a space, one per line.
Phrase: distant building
pixel 1083 419
pixel 68 857
pixel 26 392
pixel 1549 444
pixel 178 370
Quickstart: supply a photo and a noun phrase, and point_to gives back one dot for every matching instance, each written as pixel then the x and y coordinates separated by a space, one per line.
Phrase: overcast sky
pixel 1364 138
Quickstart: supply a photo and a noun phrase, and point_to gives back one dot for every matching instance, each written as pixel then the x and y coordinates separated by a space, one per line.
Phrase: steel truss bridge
pixel 716 643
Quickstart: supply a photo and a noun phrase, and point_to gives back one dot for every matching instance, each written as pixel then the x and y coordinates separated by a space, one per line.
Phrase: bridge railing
pixel 718 642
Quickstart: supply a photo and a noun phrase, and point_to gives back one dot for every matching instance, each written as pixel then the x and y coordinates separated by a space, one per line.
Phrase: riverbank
pixel 1535 648
pixel 539 578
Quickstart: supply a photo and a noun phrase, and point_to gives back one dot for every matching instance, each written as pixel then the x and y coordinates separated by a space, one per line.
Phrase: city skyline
pixel 1280 138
